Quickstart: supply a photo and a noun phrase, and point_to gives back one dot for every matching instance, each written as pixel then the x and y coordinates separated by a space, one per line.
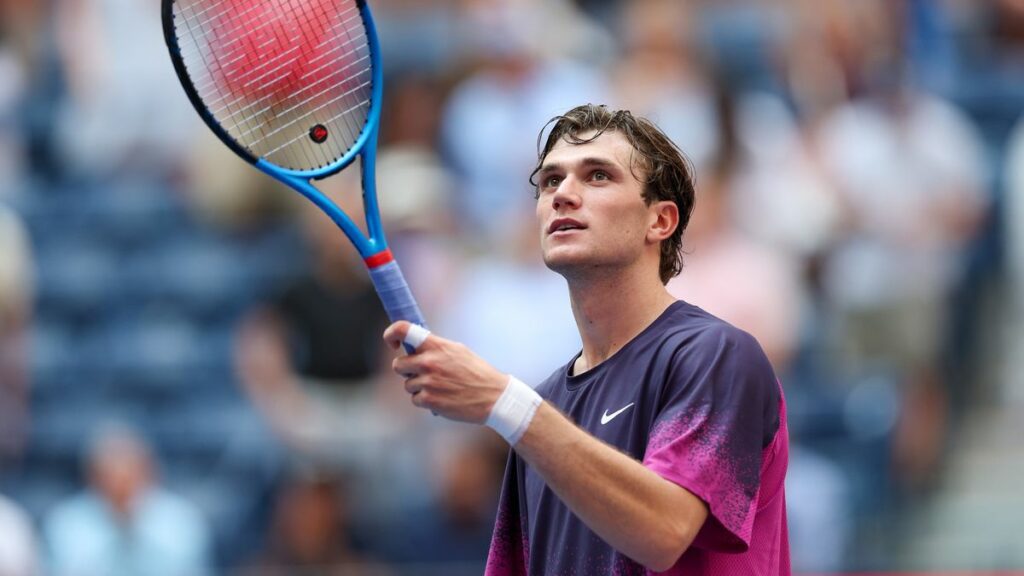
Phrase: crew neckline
pixel 574 381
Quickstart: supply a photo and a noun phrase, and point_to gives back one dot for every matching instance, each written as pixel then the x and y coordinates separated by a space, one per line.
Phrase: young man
pixel 662 446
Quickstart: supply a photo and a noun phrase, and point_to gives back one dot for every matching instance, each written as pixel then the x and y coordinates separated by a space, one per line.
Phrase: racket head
pixel 292 86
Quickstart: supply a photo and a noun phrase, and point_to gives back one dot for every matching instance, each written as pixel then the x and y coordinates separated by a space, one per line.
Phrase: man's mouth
pixel 564 225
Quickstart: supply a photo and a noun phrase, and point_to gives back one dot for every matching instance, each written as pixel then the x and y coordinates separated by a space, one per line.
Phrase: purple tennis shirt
pixel 695 400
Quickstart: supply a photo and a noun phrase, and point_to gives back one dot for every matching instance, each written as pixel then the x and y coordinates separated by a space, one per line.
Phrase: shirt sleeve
pixel 717 412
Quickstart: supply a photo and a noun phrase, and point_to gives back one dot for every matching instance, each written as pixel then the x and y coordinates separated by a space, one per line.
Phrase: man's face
pixel 121 473
pixel 590 207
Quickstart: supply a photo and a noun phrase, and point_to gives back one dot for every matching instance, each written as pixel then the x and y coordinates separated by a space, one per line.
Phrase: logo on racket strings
pixel 318 133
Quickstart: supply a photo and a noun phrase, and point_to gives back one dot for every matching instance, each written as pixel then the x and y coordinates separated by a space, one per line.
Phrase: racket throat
pixel 379 259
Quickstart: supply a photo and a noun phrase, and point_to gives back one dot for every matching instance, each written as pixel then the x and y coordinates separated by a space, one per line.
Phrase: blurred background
pixel 191 373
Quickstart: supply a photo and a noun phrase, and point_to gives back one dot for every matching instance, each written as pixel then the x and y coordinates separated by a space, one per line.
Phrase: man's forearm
pixel 640 514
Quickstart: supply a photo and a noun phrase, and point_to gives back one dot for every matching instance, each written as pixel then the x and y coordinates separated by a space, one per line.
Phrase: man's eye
pixel 600 175
pixel 552 181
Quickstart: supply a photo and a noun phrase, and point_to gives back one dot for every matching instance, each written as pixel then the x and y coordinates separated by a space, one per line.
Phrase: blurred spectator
pixel 19 22
pixel 470 475
pixel 29 85
pixel 720 265
pixel 225 192
pixel 417 35
pixel 454 532
pixel 742 228
pixel 23 37
pixel 416 190
pixel 18 549
pixel 16 288
pixel 911 174
pixel 12 90
pixel 840 50
pixel 908 169
pixel 309 361
pixel 491 121
pixel 310 532
pixel 412 110
pixel 1014 225
pixel 819 514
pixel 125 523
pixel 1007 18
pixel 662 75
pixel 782 197
pixel 1014 177
pixel 546 30
pixel 319 337
pixel 415 193
pixel 665 74
pixel 124 110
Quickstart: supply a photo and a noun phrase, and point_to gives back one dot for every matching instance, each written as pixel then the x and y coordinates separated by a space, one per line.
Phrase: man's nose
pixel 567 194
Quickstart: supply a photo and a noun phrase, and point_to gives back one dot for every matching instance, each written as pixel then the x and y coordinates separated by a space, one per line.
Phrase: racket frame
pixel 372 246
pixel 384 272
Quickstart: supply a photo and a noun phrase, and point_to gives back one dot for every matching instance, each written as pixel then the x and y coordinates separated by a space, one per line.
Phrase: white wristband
pixel 512 413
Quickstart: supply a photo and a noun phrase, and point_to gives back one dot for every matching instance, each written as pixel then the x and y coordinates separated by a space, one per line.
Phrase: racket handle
pixel 395 294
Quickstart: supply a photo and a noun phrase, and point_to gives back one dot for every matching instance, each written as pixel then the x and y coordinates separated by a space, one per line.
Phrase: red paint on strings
pixel 281 47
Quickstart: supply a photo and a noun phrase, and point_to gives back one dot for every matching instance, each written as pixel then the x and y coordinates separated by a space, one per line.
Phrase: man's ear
pixel 663 222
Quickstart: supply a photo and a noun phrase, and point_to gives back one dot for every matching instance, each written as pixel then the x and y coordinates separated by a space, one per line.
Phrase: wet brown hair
pixel 656 162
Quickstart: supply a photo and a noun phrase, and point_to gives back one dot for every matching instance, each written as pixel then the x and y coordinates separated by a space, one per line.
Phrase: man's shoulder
pixel 696 329
pixel 699 344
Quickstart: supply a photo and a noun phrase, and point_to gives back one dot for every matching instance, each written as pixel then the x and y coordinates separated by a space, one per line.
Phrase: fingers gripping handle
pixel 394 293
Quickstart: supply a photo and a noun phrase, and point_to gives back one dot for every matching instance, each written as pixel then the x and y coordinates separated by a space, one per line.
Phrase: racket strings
pixel 343 114
pixel 228 58
pixel 365 88
pixel 267 100
pixel 322 81
pixel 307 100
pixel 221 58
pixel 294 50
pixel 355 43
pixel 226 105
pixel 272 72
pixel 312 116
pixel 230 48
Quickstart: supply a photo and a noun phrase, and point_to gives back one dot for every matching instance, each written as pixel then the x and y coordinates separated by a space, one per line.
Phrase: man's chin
pixel 567 265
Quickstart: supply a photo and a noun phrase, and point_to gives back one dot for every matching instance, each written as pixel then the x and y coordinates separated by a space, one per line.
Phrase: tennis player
pixel 662 446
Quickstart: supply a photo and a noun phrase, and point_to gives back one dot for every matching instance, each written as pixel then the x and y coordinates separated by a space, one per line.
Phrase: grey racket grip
pixel 395 294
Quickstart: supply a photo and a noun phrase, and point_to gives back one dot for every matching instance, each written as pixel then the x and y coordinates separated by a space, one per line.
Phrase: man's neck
pixel 613 309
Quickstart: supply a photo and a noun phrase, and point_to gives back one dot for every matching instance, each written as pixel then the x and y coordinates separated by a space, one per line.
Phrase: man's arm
pixel 640 514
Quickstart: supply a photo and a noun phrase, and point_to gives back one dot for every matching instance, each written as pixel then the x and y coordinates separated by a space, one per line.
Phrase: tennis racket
pixel 294 88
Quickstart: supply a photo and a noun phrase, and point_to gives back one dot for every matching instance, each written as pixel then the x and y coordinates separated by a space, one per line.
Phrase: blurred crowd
pixel 192 379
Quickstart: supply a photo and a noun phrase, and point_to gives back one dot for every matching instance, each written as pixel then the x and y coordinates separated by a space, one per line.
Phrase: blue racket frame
pixel 373 247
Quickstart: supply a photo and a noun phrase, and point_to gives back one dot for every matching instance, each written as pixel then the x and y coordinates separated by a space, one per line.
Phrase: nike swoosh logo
pixel 606 418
